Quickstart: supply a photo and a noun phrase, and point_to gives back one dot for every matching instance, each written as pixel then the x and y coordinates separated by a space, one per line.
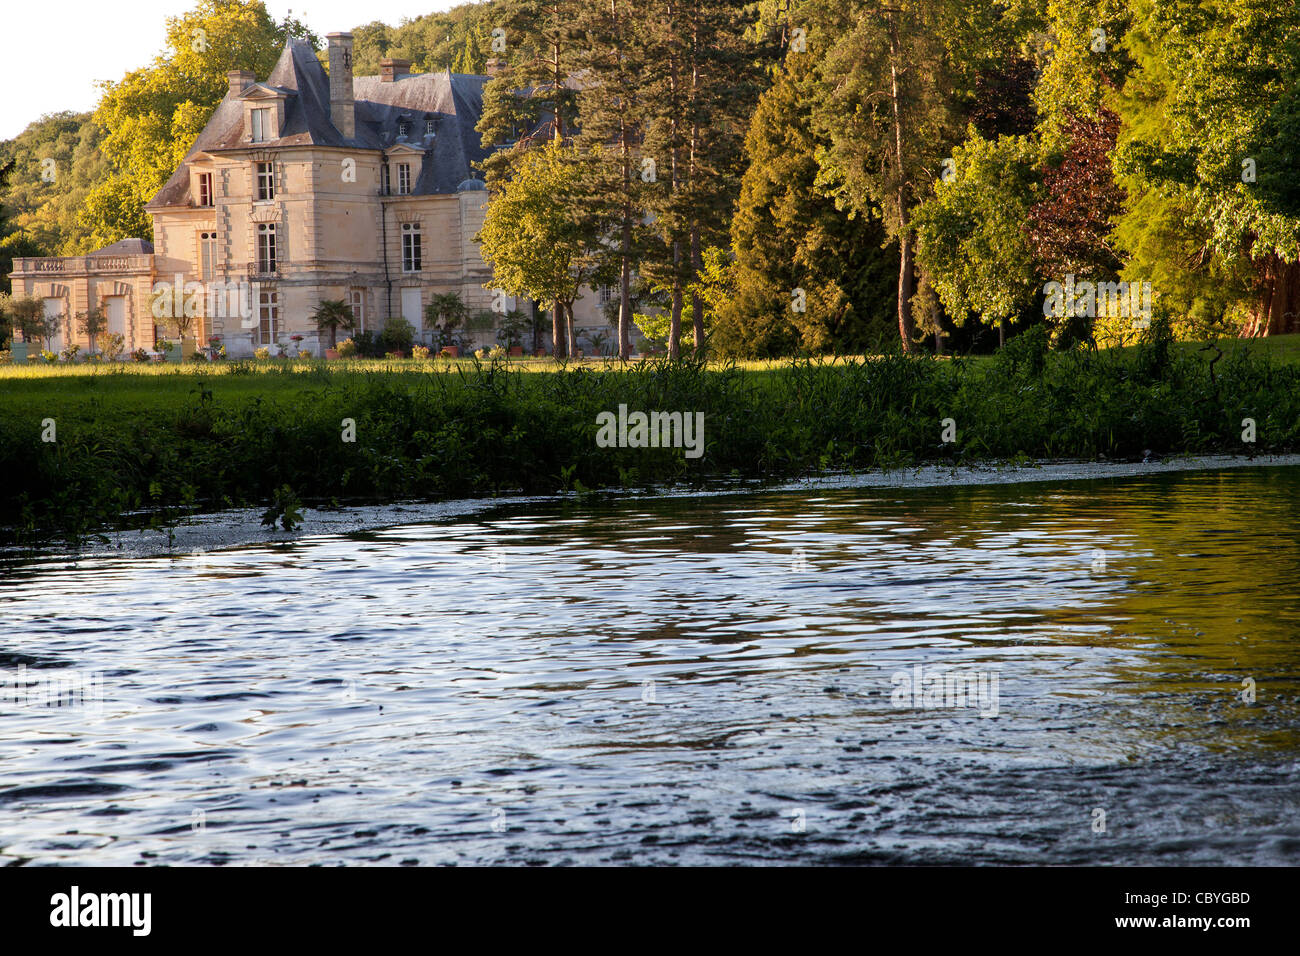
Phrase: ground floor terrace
pixel 146 304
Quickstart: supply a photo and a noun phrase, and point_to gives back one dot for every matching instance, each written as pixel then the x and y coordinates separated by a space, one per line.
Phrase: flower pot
pixel 331 354
pixel 516 351
pixel 451 351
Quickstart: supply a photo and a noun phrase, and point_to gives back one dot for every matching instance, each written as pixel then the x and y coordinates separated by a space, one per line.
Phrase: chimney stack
pixel 240 80
pixel 343 110
pixel 391 70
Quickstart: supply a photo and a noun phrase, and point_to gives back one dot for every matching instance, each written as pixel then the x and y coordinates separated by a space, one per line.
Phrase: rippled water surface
pixel 682 680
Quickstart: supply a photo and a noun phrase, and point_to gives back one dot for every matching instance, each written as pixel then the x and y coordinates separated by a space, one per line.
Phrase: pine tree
pixel 896 80
pixel 610 107
pixel 700 86
pixel 533 98
pixel 788 234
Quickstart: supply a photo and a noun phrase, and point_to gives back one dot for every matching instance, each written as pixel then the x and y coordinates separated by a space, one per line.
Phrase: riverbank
pixel 120 449
pixel 196 535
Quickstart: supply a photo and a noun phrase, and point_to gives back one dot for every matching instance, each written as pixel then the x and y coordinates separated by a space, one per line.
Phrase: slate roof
pixel 453 101
pixel 126 247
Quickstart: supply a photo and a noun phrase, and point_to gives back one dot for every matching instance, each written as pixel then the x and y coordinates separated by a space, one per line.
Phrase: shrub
pixel 420 352
pixel 262 353
pixel 112 344
pixel 304 353
pixel 496 352
pixel 140 355
pixel 347 348
pixel 397 334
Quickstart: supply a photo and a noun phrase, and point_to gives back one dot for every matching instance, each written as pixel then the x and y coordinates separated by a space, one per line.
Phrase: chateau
pixel 305 187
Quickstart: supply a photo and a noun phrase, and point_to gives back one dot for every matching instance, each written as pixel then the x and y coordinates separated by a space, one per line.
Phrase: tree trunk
pixel 675 324
pixel 906 328
pixel 697 304
pixel 558 340
pixel 1277 309
pixel 625 255
pixel 568 321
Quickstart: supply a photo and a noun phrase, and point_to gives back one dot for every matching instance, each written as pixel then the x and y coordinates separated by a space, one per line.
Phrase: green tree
pixel 330 315
pixel 49 170
pixel 91 324
pixel 536 247
pixel 533 99
pixel 970 235
pixel 28 316
pixel 1206 153
pixel 700 85
pixel 790 233
pixel 446 312
pixel 471 58
pixel 611 107
pixel 153 115
pixel 896 80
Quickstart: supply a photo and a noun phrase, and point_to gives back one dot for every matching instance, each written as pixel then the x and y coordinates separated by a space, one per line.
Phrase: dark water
pixel 684 680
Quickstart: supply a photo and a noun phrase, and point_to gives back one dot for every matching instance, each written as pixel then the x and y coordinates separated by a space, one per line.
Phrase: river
pixel 709 679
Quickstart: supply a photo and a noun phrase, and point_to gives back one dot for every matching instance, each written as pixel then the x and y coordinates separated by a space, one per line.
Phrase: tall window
pixel 357 303
pixel 411 260
pixel 384 184
pixel 261 125
pixel 266 251
pixel 208 255
pixel 403 127
pixel 265 182
pixel 428 126
pixel 268 315
pixel 205 190
pixel 403 178
pixel 606 293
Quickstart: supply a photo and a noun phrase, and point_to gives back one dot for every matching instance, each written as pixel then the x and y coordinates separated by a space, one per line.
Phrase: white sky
pixel 52 52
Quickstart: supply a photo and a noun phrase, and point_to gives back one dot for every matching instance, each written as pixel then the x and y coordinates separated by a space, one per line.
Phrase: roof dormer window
pixel 403 127
pixel 260 125
pixel 428 126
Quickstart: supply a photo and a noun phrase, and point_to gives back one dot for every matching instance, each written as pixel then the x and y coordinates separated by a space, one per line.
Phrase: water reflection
pixel 682 680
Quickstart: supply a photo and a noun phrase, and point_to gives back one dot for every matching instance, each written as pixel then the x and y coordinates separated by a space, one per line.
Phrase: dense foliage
pixel 800 175
pixel 129 441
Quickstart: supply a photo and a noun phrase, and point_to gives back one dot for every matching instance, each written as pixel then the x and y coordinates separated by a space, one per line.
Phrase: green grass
pixel 142 439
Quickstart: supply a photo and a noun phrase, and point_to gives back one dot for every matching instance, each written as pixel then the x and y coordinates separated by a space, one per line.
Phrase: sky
pixel 53 52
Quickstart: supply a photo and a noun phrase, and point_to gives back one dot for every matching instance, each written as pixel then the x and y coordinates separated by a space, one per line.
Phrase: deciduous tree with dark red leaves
pixel 1069 231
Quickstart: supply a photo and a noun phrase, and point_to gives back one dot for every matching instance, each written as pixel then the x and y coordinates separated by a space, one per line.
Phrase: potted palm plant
pixel 330 316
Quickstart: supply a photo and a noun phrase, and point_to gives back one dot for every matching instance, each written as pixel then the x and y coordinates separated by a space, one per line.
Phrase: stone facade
pixel 117 280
